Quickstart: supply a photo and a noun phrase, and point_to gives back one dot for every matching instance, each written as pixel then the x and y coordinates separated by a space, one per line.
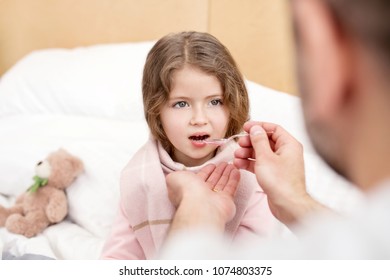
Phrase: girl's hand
pixel 205 198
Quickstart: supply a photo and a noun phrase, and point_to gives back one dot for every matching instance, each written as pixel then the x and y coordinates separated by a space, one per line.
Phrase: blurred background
pixel 257 32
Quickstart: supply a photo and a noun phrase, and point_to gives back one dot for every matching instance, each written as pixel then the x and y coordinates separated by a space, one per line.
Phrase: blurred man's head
pixel 343 58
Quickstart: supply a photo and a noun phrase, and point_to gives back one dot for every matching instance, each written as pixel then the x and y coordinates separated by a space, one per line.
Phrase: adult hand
pixel 277 160
pixel 205 198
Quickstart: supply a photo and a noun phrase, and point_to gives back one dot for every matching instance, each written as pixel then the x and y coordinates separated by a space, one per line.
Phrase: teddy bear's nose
pixel 39 163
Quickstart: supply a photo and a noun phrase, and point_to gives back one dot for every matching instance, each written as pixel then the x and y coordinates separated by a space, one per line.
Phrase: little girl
pixel 192 90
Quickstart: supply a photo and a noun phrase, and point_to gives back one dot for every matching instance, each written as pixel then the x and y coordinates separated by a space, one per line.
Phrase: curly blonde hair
pixel 200 50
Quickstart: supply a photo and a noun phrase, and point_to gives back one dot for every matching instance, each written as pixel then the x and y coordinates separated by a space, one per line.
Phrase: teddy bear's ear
pixel 65 167
pixel 63 151
pixel 77 165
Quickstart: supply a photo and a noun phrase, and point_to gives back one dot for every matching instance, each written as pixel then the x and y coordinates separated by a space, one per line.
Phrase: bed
pixel 88 101
pixel 76 84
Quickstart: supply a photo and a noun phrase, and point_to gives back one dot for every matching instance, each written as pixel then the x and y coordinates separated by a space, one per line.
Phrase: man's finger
pixel 245 142
pixel 245 164
pixel 260 142
pixel 243 153
pixel 268 127
pixel 248 125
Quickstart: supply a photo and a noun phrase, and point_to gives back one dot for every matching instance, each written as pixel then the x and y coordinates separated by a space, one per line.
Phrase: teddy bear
pixel 45 202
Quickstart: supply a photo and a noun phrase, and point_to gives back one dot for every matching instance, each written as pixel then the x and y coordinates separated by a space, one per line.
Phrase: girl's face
pixel 194 111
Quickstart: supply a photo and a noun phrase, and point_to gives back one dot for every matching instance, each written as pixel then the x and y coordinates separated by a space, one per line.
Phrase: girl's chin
pixel 197 160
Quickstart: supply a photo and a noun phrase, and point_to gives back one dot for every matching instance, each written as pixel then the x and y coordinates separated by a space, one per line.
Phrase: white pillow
pixel 100 81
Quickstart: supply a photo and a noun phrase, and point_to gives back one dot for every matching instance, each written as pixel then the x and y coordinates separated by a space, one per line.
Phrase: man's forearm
pixel 296 212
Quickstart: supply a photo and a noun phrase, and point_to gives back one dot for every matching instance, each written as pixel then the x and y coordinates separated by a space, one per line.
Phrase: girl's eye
pixel 180 104
pixel 216 102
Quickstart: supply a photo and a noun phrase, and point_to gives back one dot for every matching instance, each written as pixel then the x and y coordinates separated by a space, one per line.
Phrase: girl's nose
pixel 199 117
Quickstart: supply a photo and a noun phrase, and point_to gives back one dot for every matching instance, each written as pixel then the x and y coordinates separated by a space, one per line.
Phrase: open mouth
pixel 199 138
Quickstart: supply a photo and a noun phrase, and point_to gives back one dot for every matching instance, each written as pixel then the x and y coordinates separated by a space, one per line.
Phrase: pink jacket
pixel 145 212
